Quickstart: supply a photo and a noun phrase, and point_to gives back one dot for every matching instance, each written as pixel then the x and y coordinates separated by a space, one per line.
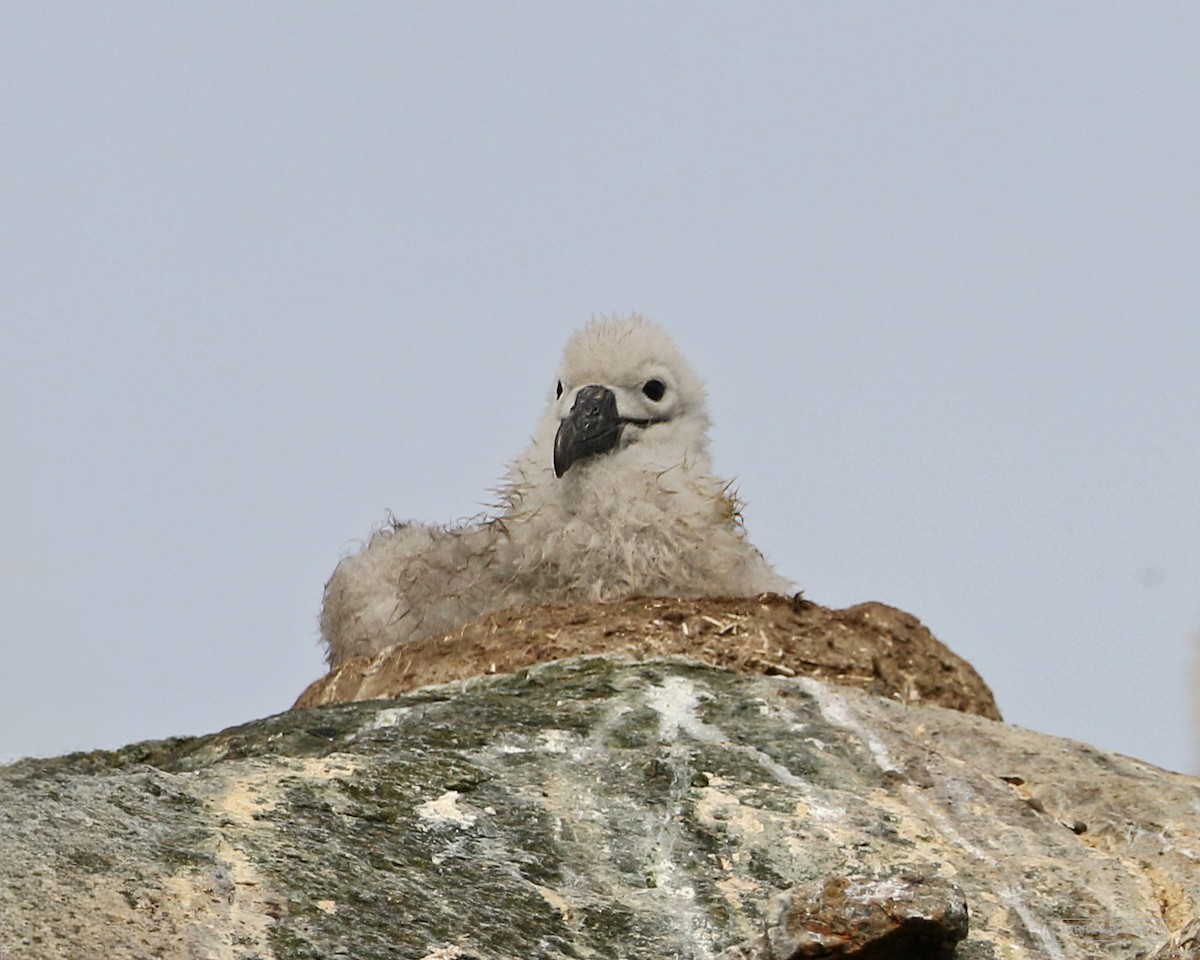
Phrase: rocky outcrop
pixel 601 807
pixel 870 646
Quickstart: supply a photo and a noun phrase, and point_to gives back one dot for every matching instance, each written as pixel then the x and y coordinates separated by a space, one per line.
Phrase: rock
pixel 598 807
pixel 870 646
pixel 1185 945
pixel 905 913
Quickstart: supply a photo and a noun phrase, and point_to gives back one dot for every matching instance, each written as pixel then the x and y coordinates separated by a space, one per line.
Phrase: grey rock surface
pixel 599 807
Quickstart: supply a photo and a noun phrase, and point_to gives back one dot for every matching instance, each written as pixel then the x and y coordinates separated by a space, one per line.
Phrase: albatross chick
pixel 614 498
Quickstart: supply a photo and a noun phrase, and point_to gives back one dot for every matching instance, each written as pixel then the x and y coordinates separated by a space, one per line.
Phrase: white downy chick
pixel 613 498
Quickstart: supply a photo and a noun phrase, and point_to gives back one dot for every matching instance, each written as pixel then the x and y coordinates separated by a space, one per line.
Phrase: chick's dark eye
pixel 654 389
pixel 558 389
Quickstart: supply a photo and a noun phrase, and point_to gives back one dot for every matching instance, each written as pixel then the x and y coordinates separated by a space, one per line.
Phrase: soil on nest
pixel 870 646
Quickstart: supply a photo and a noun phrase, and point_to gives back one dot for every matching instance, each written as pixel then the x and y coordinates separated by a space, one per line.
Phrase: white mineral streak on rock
pixel 448 952
pixel 387 717
pixel 1033 923
pixel 445 810
pixel 838 712
pixel 676 701
pixel 556 741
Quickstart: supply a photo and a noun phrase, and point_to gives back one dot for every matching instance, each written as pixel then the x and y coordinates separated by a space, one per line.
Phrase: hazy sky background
pixel 271 270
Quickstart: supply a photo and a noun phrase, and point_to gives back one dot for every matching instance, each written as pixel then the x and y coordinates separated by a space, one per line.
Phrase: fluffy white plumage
pixel 613 498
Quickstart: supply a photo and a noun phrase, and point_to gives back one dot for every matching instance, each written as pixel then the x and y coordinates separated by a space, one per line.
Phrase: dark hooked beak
pixel 593 426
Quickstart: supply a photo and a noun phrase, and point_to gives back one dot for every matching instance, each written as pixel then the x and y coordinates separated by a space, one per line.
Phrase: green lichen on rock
pixel 586 808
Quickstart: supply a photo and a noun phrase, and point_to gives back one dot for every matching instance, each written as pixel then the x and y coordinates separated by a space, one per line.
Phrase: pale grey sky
pixel 269 271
